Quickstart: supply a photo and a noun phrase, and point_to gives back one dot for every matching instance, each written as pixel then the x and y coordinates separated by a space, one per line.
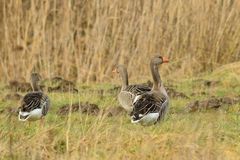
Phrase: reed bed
pixel 84 39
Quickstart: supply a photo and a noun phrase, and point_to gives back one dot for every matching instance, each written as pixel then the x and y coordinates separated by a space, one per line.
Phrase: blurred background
pixel 82 40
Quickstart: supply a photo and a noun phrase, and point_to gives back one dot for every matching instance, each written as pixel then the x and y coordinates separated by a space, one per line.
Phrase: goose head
pixel 154 64
pixel 157 60
pixel 122 71
pixel 35 79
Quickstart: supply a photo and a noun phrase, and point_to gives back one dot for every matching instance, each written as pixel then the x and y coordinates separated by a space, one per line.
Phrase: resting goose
pixel 128 92
pixel 34 105
pixel 151 106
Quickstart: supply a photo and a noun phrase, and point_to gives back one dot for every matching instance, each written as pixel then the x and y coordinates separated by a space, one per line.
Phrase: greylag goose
pixel 34 105
pixel 128 92
pixel 151 106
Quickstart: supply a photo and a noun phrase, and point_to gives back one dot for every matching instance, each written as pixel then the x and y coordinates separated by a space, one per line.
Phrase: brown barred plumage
pixel 34 104
pixel 150 103
pixel 154 101
pixel 128 92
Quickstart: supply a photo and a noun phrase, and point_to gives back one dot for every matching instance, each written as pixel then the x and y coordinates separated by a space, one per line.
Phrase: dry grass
pixel 83 39
pixel 201 135
pixel 184 136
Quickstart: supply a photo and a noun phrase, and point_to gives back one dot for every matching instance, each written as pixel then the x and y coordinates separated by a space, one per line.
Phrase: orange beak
pixel 114 70
pixel 165 59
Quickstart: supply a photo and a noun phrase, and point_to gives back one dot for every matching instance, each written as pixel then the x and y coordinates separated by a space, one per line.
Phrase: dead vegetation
pixel 90 109
pixel 82 40
pixel 59 84
pixel 85 108
pixel 114 111
pixel 9 111
pixel 12 97
pixel 19 86
pixel 55 84
pixel 212 103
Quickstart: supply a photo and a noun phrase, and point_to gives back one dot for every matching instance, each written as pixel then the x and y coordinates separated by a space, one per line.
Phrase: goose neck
pixel 124 77
pixel 156 76
pixel 35 86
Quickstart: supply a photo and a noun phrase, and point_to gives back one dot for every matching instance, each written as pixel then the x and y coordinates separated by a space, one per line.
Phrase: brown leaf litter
pixel 62 85
pixel 9 110
pixel 199 93
pixel 210 83
pixel 13 97
pixel 175 94
pixel 114 111
pixel 85 108
pixel 19 86
pixel 211 103
pixel 91 109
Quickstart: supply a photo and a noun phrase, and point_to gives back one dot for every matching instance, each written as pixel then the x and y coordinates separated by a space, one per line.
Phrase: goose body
pixel 128 92
pixel 30 116
pixel 127 95
pixel 151 106
pixel 34 105
pixel 149 119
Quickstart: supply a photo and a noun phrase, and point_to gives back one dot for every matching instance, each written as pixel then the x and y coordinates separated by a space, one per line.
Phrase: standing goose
pixel 151 106
pixel 128 92
pixel 34 105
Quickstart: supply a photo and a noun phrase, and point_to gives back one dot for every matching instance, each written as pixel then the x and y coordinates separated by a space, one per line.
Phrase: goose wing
pixel 127 95
pixel 35 100
pixel 150 103
pixel 138 89
pixel 125 99
pixel 45 101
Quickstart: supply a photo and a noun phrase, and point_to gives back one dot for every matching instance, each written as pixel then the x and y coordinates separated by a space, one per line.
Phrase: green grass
pixel 212 134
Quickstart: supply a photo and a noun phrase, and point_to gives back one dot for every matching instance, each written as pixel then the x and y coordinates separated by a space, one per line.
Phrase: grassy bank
pixel 206 134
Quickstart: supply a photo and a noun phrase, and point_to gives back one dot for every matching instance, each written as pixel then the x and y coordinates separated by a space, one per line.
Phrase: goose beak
pixel 114 70
pixel 165 59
